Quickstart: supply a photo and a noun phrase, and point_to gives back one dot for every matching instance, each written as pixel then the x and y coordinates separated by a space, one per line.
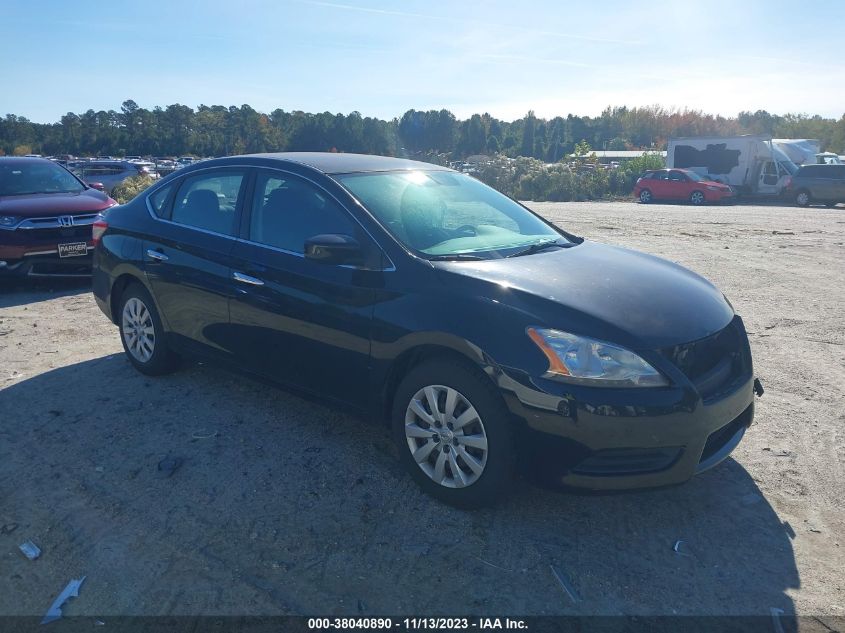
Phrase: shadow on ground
pixel 15 292
pixel 206 492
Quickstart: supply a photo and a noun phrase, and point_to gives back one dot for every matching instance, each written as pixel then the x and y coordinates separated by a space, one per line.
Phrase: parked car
pixel 185 161
pixel 817 184
pixel 680 184
pixel 111 172
pixel 418 295
pixel 46 214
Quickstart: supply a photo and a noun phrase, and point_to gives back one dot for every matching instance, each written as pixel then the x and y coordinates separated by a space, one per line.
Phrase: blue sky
pixel 382 58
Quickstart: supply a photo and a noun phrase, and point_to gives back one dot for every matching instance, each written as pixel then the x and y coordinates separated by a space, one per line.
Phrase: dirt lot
pixel 281 505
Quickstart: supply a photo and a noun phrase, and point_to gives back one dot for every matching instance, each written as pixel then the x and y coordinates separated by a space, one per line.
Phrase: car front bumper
pixel 32 249
pixel 44 262
pixel 617 439
pixel 719 196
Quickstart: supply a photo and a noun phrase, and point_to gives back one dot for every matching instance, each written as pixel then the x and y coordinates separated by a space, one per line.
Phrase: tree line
pixel 435 135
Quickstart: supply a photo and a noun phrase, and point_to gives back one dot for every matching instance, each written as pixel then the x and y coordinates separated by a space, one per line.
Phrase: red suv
pixel 679 184
pixel 46 215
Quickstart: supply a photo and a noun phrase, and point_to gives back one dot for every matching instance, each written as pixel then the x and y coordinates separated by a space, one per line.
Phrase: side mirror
pixel 96 185
pixel 333 248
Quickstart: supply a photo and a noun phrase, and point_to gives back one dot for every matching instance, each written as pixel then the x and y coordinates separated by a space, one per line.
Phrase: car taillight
pixel 98 228
pixel 788 184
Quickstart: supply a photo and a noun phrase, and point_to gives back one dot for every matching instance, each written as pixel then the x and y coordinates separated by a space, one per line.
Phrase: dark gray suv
pixel 818 184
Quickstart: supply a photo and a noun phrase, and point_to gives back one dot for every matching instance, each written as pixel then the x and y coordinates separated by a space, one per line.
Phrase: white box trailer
pixel 750 164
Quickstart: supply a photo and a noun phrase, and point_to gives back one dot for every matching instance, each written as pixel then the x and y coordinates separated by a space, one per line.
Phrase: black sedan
pixel 411 293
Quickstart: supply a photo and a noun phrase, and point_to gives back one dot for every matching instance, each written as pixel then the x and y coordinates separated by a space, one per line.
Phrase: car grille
pixel 51 228
pixel 716 363
pixel 628 461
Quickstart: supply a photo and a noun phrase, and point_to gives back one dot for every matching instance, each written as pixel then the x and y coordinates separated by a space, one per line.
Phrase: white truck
pixel 751 165
pixel 801 151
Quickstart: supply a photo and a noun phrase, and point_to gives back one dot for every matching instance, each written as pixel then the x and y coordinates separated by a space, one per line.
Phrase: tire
pixel 146 350
pixel 485 464
pixel 697 198
pixel 802 198
pixel 645 196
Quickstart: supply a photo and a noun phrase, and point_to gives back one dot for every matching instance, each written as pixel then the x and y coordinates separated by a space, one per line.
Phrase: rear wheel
pixel 645 196
pixel 696 198
pixel 802 198
pixel 142 334
pixel 453 433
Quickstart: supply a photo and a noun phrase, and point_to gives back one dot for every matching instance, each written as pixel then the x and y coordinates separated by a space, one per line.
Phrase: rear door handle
pixel 158 256
pixel 246 279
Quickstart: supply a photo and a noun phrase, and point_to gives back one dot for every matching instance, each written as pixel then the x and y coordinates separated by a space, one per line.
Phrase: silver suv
pixel 110 172
pixel 818 184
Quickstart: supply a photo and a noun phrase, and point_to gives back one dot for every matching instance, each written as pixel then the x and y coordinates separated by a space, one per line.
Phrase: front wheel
pixel 645 196
pixel 696 198
pixel 453 433
pixel 142 334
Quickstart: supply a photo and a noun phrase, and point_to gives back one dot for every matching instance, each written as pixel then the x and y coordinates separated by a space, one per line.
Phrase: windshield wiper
pixel 539 246
pixel 456 257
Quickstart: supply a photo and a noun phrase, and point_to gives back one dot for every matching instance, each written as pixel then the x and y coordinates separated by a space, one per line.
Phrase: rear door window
pixel 209 201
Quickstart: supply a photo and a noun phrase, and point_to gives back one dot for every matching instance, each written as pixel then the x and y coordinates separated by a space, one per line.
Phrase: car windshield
pixel 694 176
pixel 21 178
pixel 441 214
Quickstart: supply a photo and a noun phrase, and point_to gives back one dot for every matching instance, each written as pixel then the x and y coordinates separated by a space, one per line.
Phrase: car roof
pixel 24 160
pixel 107 163
pixel 337 163
pixel 820 166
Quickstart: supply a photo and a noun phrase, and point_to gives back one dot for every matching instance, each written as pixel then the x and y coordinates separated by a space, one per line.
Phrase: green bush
pixel 131 187
pixel 531 179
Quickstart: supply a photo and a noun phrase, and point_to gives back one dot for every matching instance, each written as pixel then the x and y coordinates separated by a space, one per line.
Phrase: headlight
pixel 9 221
pixel 586 361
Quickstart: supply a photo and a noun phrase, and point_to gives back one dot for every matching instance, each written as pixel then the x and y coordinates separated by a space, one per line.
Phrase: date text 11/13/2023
pixel 415 624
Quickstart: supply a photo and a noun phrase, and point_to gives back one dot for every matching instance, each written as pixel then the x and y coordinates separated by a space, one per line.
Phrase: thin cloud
pixel 424 16
pixel 532 60
pixel 795 62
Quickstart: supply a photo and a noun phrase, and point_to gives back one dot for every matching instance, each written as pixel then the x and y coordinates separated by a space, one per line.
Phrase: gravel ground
pixel 209 493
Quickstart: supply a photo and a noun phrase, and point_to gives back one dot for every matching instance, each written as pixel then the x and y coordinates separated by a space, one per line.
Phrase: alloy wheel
pixel 138 330
pixel 697 197
pixel 645 196
pixel 446 436
pixel 803 199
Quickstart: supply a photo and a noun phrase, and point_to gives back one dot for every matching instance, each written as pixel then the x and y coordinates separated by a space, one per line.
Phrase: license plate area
pixel 74 249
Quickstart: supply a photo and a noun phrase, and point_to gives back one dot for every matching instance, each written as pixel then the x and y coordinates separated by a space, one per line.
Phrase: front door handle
pixel 158 256
pixel 246 279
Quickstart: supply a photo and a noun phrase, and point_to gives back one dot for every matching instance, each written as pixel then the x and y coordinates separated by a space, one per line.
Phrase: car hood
pixel 47 204
pixel 606 292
